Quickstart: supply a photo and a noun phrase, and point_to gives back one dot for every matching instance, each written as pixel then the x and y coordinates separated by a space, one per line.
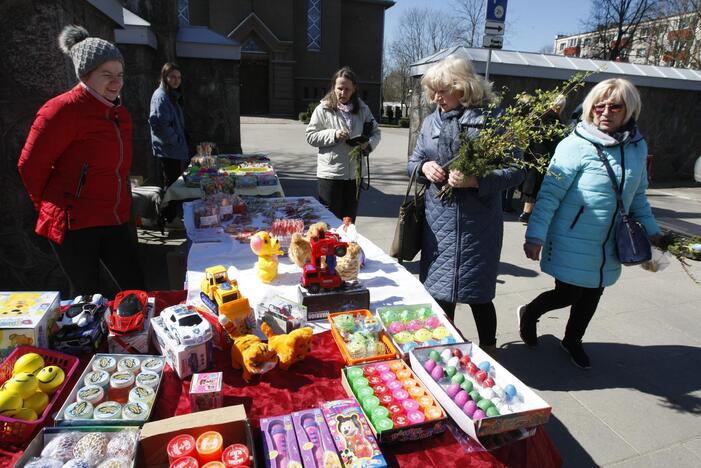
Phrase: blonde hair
pixel 617 89
pixel 457 74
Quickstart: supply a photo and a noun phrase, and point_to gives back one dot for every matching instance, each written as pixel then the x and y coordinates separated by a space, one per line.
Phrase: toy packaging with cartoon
pixel 206 391
pixel 314 439
pixel 280 443
pixel 352 434
pixel 26 319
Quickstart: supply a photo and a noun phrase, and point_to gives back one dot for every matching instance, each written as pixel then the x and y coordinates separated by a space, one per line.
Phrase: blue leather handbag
pixel 632 242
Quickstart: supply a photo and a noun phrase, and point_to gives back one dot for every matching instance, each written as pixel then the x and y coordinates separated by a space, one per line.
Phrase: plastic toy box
pixel 185 360
pixel 352 434
pixel 62 420
pixel 411 326
pixel 314 439
pixel 136 343
pixel 27 319
pixel 395 402
pixel 48 434
pixel 206 391
pixel 280 448
pixel 481 380
pixel 355 352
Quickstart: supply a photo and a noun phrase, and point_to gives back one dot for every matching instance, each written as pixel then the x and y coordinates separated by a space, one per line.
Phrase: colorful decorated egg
pixel 452 390
pixel 403 337
pixel 433 322
pixel 469 408
pixel 440 333
pixel 437 373
pixel 422 335
pixel 429 365
pixel 461 398
pixel 396 327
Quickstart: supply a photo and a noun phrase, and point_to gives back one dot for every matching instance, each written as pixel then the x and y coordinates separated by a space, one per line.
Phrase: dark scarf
pixel 449 136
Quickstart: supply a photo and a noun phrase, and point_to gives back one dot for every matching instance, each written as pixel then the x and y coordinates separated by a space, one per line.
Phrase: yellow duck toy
pixel 291 347
pixel 267 250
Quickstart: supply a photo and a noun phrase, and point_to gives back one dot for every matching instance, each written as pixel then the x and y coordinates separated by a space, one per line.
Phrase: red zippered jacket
pixel 75 163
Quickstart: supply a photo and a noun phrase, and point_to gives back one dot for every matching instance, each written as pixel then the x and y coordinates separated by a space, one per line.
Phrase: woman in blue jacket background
pixel 575 212
pixel 167 121
pixel 462 236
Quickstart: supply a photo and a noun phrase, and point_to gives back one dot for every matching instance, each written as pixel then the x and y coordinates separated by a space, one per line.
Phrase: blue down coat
pixel 167 123
pixel 576 209
pixel 463 236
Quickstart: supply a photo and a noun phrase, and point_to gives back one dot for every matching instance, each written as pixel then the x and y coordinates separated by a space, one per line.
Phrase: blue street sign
pixel 496 10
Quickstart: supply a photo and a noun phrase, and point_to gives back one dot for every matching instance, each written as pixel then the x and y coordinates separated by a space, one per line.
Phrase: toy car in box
pixel 186 325
pixel 82 325
pixel 281 315
pixel 129 310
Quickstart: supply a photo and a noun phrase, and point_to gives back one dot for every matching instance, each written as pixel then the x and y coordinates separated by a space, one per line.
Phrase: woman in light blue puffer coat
pixel 572 224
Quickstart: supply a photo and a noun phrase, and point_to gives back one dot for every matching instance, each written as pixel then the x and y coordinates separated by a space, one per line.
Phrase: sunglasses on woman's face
pixel 613 108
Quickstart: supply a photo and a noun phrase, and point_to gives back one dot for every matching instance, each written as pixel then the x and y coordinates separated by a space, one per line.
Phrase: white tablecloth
pixel 388 282
pixel 179 191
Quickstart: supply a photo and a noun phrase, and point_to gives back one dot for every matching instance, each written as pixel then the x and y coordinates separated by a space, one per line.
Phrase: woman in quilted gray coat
pixel 462 236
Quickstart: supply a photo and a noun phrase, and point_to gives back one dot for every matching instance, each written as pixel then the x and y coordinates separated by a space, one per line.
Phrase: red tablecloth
pixel 315 380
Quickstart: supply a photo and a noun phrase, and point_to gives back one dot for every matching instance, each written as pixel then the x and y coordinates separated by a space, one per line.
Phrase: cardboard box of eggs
pixel 480 395
pixel 115 389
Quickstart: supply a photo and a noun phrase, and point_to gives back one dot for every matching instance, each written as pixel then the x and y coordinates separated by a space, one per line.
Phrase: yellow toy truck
pixel 223 297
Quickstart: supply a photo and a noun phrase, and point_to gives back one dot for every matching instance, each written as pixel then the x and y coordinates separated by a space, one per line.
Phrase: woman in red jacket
pixel 75 165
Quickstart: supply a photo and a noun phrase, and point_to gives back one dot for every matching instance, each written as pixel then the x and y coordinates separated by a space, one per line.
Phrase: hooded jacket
pixel 462 238
pixel 75 163
pixel 575 211
pixel 167 123
pixel 333 160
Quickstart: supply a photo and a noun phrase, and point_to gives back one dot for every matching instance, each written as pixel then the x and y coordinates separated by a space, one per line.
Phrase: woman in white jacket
pixel 338 123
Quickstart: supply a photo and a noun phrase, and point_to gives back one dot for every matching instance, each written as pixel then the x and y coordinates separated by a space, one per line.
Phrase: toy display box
pixel 206 391
pixel 90 377
pixel 281 315
pixel 320 305
pixel 230 422
pixel 314 439
pixel 280 448
pixel 111 451
pixel 352 434
pixel 481 396
pixel 394 401
pixel 360 337
pixel 27 319
pixel 184 359
pixel 136 342
pixel 412 326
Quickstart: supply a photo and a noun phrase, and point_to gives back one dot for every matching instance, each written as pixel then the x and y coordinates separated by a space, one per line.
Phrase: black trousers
pixel 171 169
pixel 339 196
pixel 83 250
pixel 485 316
pixel 584 302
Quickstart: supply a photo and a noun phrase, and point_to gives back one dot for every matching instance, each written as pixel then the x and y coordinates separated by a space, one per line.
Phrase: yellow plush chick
pixel 349 265
pixel 290 348
pixel 37 401
pixel 10 402
pixel 267 250
pixel 300 251
pixel 30 363
pixel 252 355
pixel 50 378
pixel 24 384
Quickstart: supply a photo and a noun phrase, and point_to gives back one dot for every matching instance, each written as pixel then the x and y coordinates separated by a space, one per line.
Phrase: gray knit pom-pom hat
pixel 87 53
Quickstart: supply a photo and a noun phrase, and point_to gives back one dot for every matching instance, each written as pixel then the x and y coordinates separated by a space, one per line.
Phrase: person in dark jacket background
pixel 544 149
pixel 463 236
pixel 168 138
pixel 75 166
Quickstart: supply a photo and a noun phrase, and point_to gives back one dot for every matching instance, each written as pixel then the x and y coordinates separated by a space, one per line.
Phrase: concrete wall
pixel 668 121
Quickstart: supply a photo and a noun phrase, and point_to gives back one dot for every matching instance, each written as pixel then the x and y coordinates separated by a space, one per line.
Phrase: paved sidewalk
pixel 640 405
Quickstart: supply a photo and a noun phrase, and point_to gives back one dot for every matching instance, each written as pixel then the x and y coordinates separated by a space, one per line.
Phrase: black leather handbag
pixel 408 234
pixel 632 242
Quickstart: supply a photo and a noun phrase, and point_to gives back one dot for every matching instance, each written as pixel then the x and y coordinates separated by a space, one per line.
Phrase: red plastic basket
pixel 16 431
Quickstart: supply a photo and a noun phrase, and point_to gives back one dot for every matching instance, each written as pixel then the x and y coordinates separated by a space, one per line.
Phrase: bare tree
pixel 471 17
pixel 546 49
pixel 616 22
pixel 422 32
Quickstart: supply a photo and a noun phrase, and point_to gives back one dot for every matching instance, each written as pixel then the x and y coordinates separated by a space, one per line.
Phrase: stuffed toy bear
pixel 291 347
pixel 251 354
